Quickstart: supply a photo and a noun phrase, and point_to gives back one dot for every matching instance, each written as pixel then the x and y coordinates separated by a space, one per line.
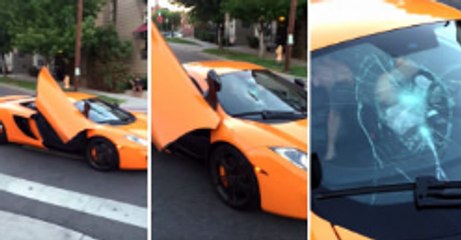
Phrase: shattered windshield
pixel 248 93
pixel 387 108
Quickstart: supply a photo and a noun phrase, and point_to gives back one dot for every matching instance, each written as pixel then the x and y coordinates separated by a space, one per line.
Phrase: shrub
pixel 109 54
pixel 33 71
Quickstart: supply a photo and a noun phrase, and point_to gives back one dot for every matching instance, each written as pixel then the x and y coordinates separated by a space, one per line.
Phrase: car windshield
pixel 260 93
pixel 386 109
pixel 104 113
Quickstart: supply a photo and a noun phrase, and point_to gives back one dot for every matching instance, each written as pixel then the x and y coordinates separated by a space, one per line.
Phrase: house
pixel 130 20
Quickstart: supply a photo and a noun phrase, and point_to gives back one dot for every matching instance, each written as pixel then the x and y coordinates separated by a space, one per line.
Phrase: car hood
pixel 322 229
pixel 259 134
pixel 138 127
pixel 340 21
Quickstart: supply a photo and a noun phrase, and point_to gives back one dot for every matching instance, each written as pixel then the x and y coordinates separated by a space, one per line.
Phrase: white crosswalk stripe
pixel 19 227
pixel 93 205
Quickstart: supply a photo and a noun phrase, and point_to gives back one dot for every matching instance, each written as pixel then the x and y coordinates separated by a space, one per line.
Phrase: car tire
pixel 3 137
pixel 233 178
pixel 102 154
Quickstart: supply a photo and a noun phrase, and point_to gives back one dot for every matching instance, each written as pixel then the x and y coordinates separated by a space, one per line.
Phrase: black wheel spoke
pixel 102 154
pixel 233 177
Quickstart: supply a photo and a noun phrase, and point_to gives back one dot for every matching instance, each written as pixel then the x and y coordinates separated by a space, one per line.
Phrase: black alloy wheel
pixel 3 137
pixel 102 154
pixel 233 178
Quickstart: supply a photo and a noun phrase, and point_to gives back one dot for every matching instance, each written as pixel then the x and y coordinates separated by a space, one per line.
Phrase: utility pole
pixel 290 40
pixel 78 44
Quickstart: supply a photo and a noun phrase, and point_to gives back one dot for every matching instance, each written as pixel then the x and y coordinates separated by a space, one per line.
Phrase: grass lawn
pixel 181 41
pixel 111 100
pixel 296 70
pixel 33 86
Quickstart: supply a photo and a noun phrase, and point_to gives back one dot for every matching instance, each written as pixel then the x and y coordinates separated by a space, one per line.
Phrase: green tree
pixel 205 11
pixel 171 20
pixel 260 12
pixel 5 36
pixel 47 27
pixel 5 48
pixel 109 54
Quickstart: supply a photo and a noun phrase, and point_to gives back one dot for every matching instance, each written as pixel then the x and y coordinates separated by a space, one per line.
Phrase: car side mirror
pixel 458 32
pixel 299 82
pixel 214 86
pixel 215 80
pixel 316 171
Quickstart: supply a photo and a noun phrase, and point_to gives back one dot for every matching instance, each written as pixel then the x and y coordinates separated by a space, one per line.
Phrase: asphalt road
pixel 189 53
pixel 185 205
pixel 68 179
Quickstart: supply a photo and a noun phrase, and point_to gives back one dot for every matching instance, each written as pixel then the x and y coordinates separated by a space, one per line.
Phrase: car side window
pixel 30 105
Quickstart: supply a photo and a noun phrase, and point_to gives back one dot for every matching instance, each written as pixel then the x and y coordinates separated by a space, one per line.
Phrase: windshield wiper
pixel 111 121
pixel 428 192
pixel 273 114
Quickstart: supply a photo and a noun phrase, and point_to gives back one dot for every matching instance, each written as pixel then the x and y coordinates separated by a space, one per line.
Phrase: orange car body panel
pixel 179 108
pixel 62 114
pixel 10 108
pixel 175 99
pixel 324 230
pixel 131 155
pixel 66 120
pixel 277 176
pixel 337 21
pixel 345 234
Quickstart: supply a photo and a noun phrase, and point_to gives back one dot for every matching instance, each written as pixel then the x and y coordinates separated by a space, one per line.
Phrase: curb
pixel 284 75
pixel 204 46
pixel 25 91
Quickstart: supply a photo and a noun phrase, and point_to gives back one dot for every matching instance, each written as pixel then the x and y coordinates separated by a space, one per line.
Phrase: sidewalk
pixel 202 45
pixel 130 102
pixel 19 227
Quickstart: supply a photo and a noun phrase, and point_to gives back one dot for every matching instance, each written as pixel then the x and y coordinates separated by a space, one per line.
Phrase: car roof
pixel 336 21
pixel 221 67
pixel 78 96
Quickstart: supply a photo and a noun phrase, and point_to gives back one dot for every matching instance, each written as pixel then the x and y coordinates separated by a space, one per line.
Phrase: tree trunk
pixel 47 62
pixel 219 38
pixel 261 41
pixel 220 35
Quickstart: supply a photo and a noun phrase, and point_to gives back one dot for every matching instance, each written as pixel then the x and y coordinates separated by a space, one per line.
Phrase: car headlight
pixel 295 156
pixel 137 140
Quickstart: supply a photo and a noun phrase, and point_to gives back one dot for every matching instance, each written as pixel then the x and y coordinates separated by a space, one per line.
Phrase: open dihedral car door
pixel 177 105
pixel 58 111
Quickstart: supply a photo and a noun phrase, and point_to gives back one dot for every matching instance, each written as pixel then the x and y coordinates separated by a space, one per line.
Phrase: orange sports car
pixel 108 136
pixel 386 107
pixel 248 123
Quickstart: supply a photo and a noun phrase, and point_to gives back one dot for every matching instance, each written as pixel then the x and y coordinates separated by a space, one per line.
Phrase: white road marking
pixel 19 227
pixel 96 206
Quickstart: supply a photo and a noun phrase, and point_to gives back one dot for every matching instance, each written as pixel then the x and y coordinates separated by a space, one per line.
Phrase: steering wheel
pixel 392 133
pixel 439 108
